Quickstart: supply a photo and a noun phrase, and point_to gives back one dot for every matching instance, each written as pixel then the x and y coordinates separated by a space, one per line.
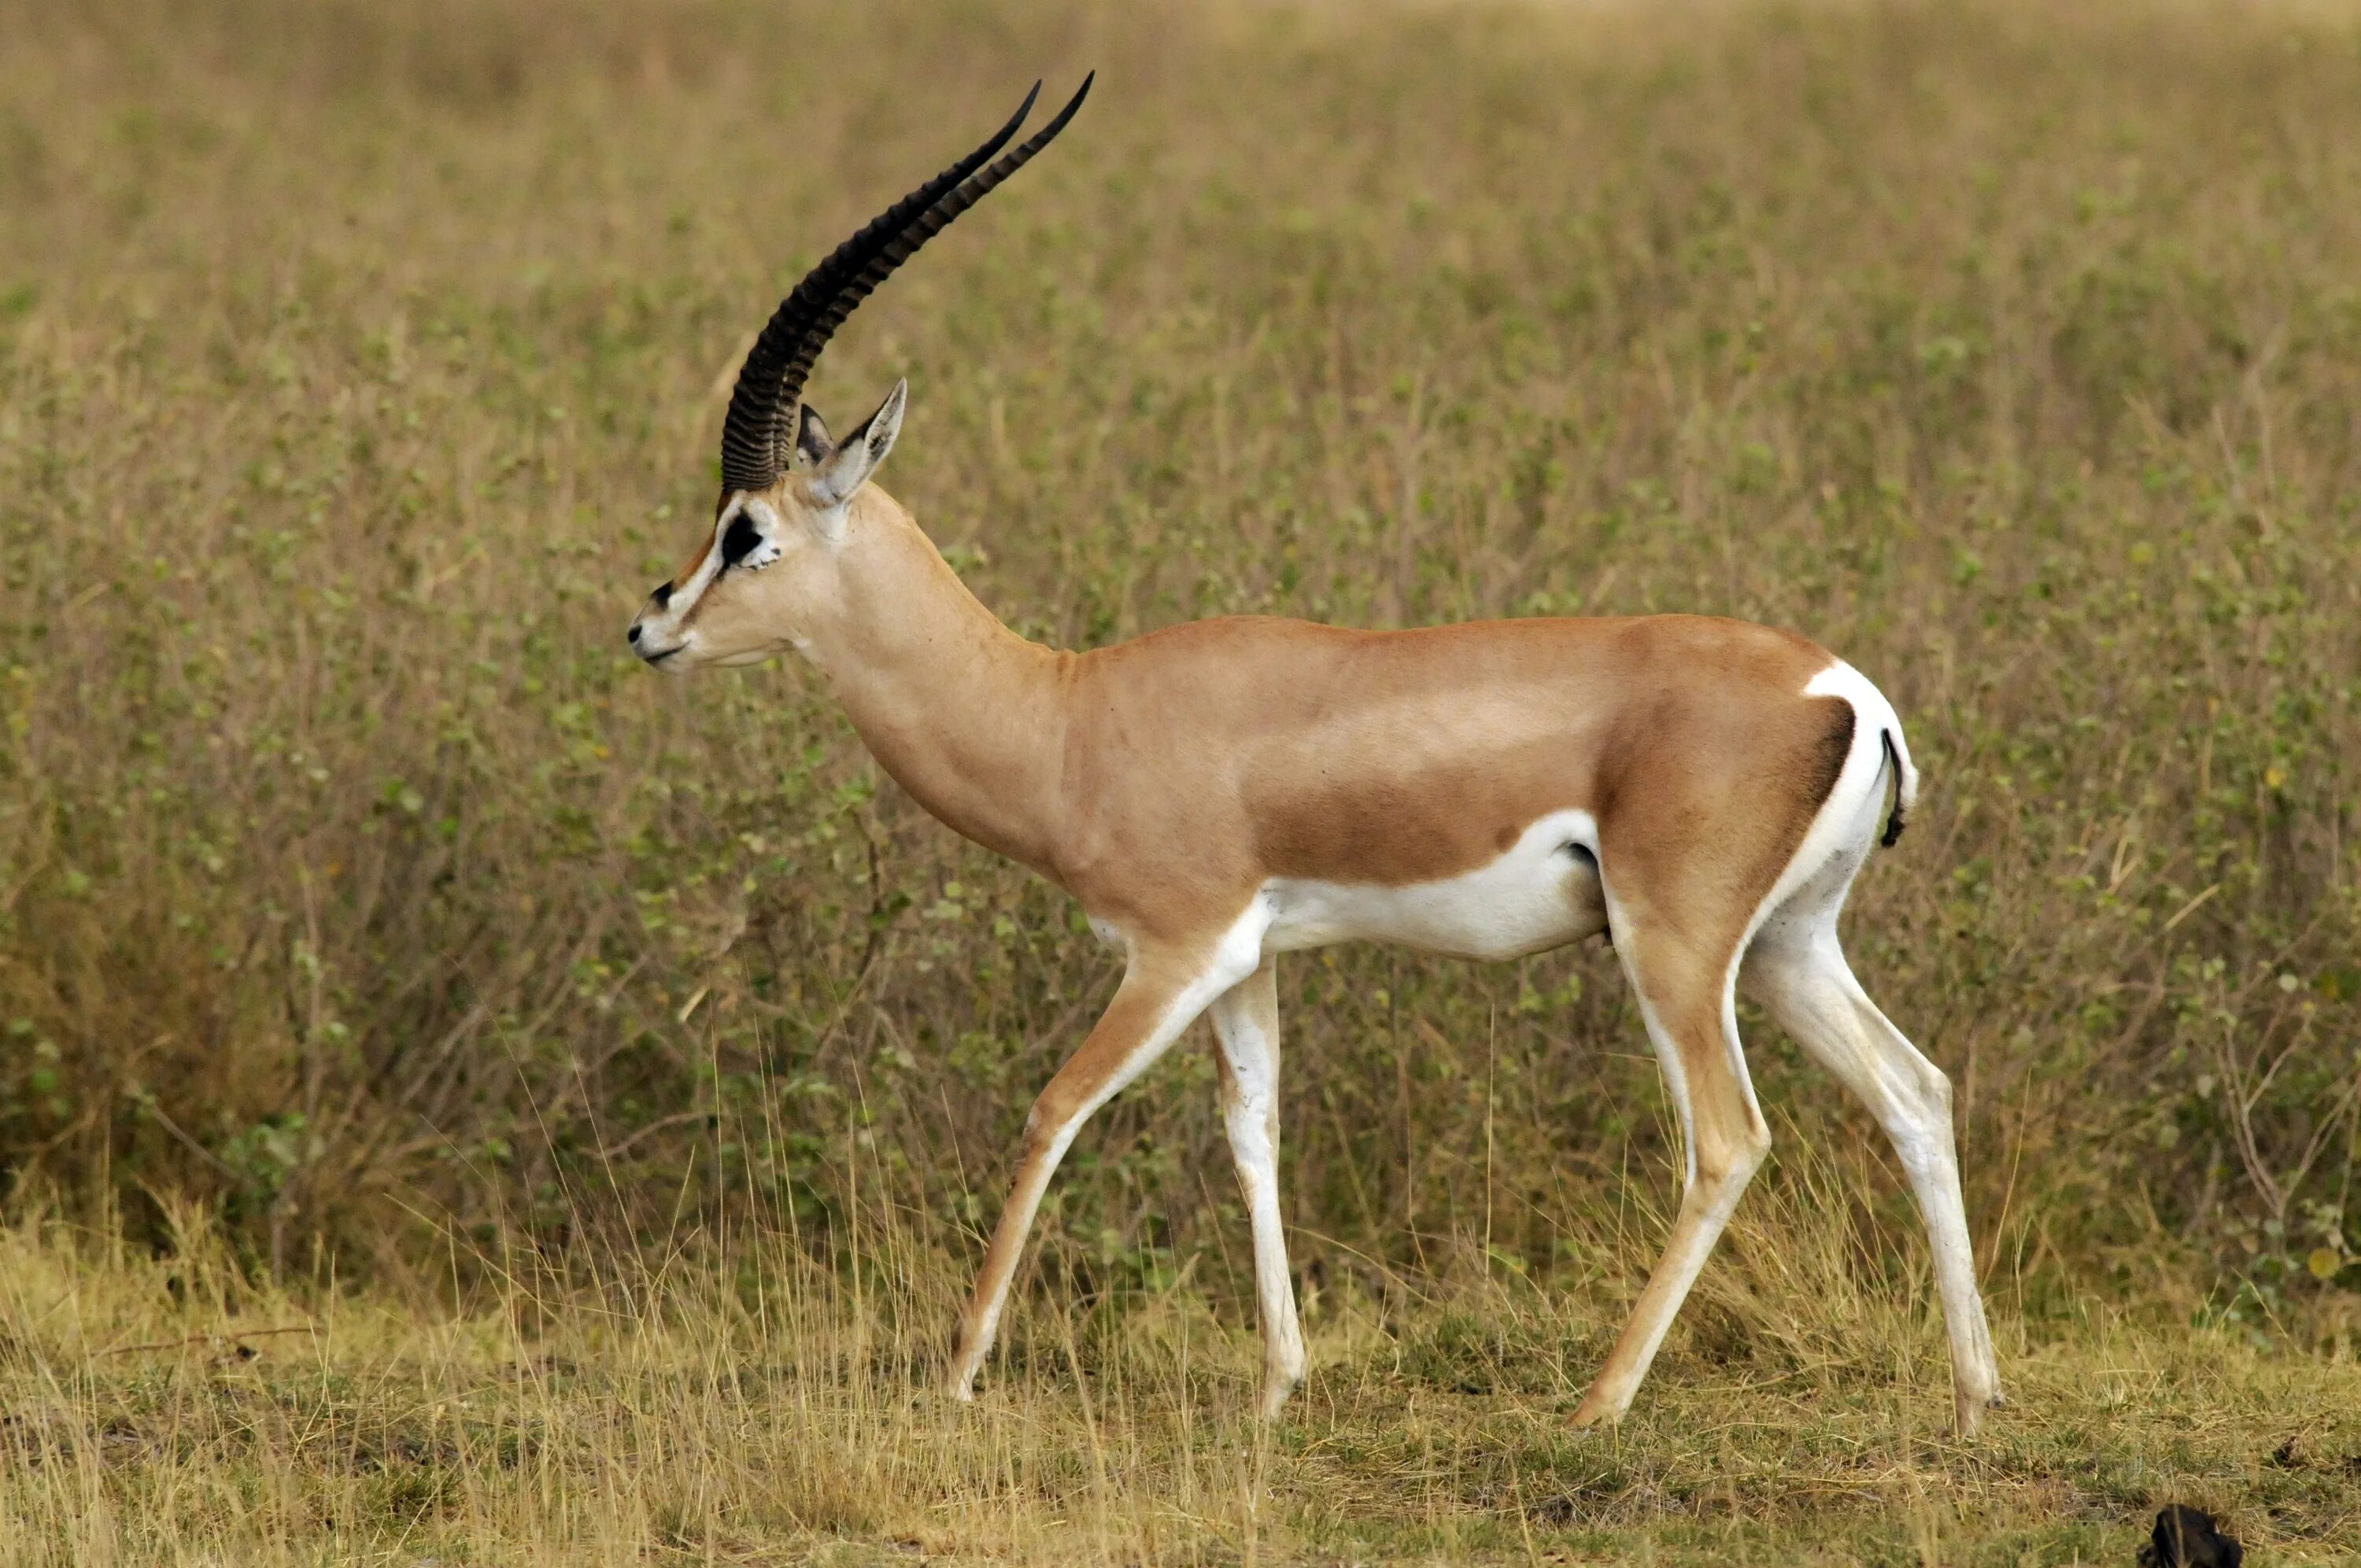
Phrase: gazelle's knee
pixel 1045 1126
pixel 1917 1081
pixel 1935 1091
pixel 1752 1150
pixel 1730 1158
pixel 1918 1117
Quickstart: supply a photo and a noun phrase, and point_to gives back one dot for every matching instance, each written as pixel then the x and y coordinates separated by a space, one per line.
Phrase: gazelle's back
pixel 1398 757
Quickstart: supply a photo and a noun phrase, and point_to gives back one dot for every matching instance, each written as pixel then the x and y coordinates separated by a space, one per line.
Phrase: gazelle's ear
pixel 812 443
pixel 847 467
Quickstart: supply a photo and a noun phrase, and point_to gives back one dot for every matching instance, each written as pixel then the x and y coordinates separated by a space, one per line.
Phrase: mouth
pixel 660 658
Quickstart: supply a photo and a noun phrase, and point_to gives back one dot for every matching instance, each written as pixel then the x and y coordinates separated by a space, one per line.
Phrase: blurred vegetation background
pixel 360 369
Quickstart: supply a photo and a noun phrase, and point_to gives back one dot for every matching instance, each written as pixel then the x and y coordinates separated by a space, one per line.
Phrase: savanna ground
pixel 464 1098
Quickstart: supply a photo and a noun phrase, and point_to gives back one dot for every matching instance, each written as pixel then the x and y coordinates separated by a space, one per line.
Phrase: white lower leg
pixel 1282 1334
pixel 1811 991
pixel 1246 1022
pixel 1924 1141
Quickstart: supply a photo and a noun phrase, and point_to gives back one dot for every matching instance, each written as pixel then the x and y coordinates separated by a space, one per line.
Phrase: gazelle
pixel 1220 792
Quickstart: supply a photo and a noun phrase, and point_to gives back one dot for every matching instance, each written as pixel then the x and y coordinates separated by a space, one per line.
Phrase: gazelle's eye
pixel 741 541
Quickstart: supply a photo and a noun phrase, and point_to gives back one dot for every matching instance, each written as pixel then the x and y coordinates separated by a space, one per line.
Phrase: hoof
pixel 1589 1416
pixel 1273 1399
pixel 1968 1412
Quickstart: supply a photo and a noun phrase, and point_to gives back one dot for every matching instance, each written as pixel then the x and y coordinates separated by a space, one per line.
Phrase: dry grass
pixel 378 944
pixel 746 1403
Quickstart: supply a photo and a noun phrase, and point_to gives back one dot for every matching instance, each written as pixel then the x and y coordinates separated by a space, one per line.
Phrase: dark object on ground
pixel 2185 1538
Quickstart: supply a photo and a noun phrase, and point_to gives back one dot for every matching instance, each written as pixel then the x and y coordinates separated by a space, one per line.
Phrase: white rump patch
pixel 1869 703
pixel 1846 825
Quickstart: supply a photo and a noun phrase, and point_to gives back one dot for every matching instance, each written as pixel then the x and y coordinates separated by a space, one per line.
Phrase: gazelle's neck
pixel 964 714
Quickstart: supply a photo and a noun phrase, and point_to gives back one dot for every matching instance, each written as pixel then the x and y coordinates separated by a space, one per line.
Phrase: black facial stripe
pixel 740 541
pixel 662 595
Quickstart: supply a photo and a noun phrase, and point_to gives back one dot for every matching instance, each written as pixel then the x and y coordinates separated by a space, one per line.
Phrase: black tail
pixel 1896 820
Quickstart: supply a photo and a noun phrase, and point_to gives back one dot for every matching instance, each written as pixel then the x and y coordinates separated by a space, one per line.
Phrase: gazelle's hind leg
pixel 1684 995
pixel 1246 1024
pixel 1798 970
pixel 1795 969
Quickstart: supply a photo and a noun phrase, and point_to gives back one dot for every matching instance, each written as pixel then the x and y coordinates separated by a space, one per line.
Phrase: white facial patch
pixel 750 542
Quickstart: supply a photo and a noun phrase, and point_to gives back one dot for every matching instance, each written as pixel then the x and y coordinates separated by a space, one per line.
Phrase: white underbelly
pixel 1542 892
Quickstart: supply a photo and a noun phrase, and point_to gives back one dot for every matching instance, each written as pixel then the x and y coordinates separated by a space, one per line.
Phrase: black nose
pixel 633 635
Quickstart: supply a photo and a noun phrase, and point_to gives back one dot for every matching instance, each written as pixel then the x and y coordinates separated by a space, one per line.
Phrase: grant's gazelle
pixel 1220 792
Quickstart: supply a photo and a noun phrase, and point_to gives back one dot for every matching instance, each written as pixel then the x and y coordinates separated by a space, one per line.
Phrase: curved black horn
pixel 903 245
pixel 771 382
pixel 750 435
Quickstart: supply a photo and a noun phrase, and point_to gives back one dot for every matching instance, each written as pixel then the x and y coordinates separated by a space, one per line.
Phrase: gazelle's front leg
pixel 1162 992
pixel 1245 1021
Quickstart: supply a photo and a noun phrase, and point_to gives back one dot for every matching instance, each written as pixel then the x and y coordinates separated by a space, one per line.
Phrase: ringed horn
pixel 756 437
